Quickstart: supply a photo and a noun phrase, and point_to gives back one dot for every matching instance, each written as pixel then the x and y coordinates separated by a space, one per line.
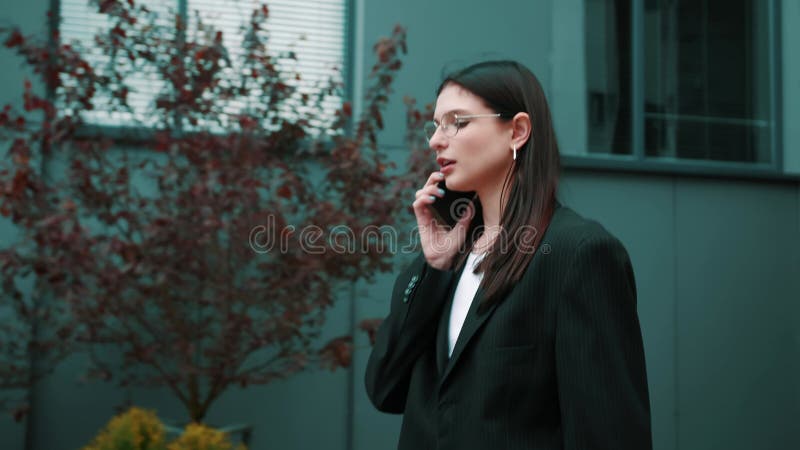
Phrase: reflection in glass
pixel 608 75
pixel 707 80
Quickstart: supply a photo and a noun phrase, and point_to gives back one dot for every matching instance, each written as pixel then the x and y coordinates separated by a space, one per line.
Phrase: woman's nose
pixel 438 140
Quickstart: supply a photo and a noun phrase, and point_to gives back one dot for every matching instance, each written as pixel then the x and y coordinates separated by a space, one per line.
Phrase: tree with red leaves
pixel 160 256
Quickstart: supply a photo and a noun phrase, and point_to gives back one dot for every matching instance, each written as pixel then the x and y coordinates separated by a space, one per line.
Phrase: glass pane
pixel 707 80
pixel 318 45
pixel 80 22
pixel 590 80
pixel 608 75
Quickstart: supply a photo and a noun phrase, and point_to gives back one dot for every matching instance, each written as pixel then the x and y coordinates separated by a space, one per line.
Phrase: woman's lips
pixel 448 167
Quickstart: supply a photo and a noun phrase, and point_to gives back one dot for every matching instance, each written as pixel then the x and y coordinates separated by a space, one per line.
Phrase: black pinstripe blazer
pixel 558 364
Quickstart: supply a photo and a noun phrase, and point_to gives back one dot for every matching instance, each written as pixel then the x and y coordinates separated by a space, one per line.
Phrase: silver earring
pixel 515 151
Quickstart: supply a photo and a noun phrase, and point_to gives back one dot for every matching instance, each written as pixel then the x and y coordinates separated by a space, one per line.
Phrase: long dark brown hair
pixel 508 87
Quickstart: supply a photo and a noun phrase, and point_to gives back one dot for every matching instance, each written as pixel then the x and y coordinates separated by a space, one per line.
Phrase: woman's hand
pixel 439 243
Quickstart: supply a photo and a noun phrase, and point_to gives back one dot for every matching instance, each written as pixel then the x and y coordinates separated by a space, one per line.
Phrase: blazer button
pixel 410 288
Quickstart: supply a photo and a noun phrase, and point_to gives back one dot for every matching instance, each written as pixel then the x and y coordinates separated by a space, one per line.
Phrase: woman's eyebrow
pixel 457 110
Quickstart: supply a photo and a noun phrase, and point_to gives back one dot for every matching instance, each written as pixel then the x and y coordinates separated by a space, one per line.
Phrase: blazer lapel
pixel 441 336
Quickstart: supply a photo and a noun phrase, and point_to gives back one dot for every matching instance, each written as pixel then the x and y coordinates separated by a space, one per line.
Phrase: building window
pixel 704 75
pixel 707 80
pixel 314 30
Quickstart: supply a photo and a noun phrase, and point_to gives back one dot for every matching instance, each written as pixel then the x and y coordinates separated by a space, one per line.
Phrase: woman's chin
pixel 454 184
pixel 450 183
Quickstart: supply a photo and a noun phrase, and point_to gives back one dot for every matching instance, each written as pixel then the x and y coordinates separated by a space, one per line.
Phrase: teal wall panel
pixel 790 95
pixel 737 306
pixel 68 412
pixel 29 17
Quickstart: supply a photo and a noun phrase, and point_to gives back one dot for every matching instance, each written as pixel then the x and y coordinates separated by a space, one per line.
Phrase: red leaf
pixel 118 31
pixel 106 5
pixel 370 326
pixel 20 183
pixel 16 39
pixel 338 352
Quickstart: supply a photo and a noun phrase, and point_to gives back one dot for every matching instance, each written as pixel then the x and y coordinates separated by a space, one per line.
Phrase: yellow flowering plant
pixel 140 429
pixel 135 429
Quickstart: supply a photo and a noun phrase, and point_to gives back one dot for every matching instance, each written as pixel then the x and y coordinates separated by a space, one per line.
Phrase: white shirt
pixel 462 299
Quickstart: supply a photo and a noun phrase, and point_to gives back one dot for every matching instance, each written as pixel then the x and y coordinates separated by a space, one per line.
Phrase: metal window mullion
pixel 706 83
pixel 348 93
pixel 183 10
pixel 53 42
pixel 637 79
pixel 776 79
pixel 349 60
pixel 180 35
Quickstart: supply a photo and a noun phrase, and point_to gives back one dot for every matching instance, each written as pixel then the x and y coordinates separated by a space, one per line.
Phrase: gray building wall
pixel 716 261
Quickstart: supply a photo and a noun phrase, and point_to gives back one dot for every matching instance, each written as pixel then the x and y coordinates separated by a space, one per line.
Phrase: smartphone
pixel 452 206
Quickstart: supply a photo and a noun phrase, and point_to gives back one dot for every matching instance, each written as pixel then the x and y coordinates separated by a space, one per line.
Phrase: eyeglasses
pixel 451 123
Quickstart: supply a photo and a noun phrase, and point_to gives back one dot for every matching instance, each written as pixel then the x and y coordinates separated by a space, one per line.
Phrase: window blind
pixel 313 29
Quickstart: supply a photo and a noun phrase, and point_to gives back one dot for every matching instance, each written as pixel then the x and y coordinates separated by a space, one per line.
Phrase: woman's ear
pixel 521 129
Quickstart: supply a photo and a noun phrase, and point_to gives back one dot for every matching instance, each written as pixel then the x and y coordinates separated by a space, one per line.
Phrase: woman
pixel 517 327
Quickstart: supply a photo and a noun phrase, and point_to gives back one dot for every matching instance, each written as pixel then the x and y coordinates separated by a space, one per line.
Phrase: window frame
pixel 638 162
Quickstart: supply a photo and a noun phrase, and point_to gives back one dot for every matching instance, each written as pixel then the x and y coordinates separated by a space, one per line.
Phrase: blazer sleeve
pixel 410 328
pixel 600 364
